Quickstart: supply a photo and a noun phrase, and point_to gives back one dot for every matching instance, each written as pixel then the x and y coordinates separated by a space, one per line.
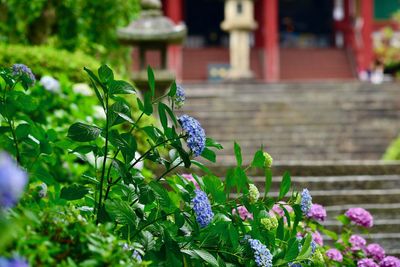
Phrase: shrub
pixel 45 60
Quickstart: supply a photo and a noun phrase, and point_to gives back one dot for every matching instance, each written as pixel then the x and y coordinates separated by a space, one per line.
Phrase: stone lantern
pixel 152 31
pixel 239 22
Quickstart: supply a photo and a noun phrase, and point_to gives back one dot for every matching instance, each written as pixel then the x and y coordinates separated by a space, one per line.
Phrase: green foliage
pixel 89 26
pixel 393 151
pixel 45 60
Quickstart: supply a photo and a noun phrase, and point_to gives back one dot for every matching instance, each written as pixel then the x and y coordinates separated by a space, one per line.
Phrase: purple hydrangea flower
pixel 12 181
pixel 357 242
pixel 367 263
pixel 202 208
pixel 50 84
pixel 196 139
pixel 317 212
pixel 390 261
pixel 262 255
pixel 21 69
pixel 360 217
pixel 15 262
pixel 180 97
pixel 375 251
pixel 306 201
pixel 334 255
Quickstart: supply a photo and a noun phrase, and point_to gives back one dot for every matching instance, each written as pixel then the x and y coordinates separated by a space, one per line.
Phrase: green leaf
pixel 172 89
pixel 206 256
pixel 23 101
pixel 215 187
pixel 293 249
pixel 121 212
pixel 115 110
pixel 209 155
pixel 212 143
pixel 22 130
pixel 241 180
pixel 74 192
pixel 285 185
pixel 280 229
pixel 258 160
pixel 151 80
pixel 81 132
pixel 99 96
pixel 268 181
pixel 106 75
pixel 306 248
pixel 85 149
pixel 162 115
pixel 120 87
pixel 343 219
pixel 148 105
pixel 238 154
pixel 95 79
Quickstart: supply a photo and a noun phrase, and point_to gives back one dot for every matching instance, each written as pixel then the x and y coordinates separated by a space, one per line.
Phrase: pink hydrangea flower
pixel 390 261
pixel 277 210
pixel 334 255
pixel 367 263
pixel 360 217
pixel 190 178
pixel 243 213
pixel 318 238
pixel 317 212
pixel 357 242
pixel 375 251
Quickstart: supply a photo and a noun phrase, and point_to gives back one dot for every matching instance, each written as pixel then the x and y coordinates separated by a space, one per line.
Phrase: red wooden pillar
pixel 367 14
pixel 271 43
pixel 174 10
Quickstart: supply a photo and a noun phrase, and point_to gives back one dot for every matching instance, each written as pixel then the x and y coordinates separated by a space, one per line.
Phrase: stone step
pixel 364 182
pixel 380 226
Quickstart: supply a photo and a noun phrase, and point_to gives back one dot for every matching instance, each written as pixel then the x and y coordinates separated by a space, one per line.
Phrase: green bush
pixel 45 60
pixel 393 151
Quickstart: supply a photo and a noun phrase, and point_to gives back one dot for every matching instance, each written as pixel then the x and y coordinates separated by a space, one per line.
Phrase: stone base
pixel 238 75
pixel 163 80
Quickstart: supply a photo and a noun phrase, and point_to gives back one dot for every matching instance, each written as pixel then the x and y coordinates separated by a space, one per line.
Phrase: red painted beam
pixel 271 42
pixel 367 14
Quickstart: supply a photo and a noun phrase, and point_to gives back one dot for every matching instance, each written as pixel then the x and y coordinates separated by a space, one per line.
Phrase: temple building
pixel 294 39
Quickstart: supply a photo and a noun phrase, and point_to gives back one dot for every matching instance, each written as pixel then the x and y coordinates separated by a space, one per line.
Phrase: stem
pixel 17 154
pixel 103 170
pixel 169 170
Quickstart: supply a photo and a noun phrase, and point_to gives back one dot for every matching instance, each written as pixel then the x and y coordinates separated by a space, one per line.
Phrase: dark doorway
pixel 203 19
pixel 306 23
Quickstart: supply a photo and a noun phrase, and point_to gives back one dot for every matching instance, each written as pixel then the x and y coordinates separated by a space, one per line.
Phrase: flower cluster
pixel 366 263
pixel 306 201
pixel 262 255
pixel 316 236
pixel 50 84
pixel 12 181
pixel 179 98
pixel 21 69
pixel 269 223
pixel 357 242
pixel 244 214
pixel 317 212
pixel 390 261
pixel 196 139
pixel 254 194
pixel 360 217
pixel 276 209
pixel 334 255
pixel 202 208
pixel 268 160
pixel 15 262
pixel 136 256
pixel 190 178
pixel 375 251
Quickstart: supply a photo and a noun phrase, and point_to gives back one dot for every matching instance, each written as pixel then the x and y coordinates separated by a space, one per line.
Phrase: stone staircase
pixel 329 136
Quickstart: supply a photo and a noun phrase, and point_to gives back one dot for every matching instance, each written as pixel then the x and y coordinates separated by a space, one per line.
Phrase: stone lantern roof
pixel 152 27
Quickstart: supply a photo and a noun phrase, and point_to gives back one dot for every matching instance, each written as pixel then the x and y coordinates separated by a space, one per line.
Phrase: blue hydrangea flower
pixel 50 84
pixel 202 208
pixel 21 69
pixel 291 264
pixel 12 181
pixel 262 255
pixel 196 139
pixel 306 201
pixel 180 97
pixel 15 262
pixel 136 256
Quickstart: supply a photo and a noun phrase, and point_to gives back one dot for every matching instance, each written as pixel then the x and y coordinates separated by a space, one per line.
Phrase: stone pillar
pixel 239 22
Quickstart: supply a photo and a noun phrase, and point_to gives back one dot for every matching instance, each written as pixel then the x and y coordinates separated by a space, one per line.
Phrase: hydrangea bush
pixel 111 213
